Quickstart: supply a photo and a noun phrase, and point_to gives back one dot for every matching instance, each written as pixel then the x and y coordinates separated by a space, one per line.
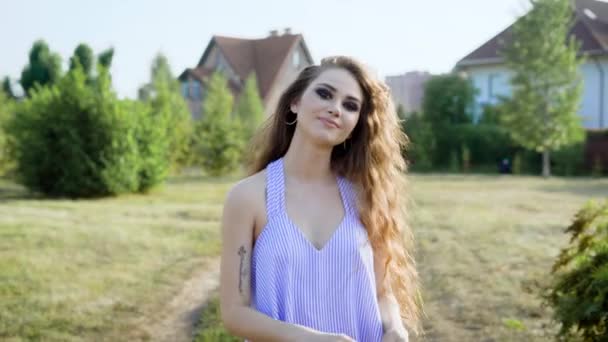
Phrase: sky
pixel 391 36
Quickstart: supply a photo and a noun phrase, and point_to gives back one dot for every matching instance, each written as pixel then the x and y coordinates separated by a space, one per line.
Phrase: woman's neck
pixel 308 163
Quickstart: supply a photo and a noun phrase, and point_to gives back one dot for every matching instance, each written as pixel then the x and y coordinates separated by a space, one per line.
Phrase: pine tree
pixel 162 92
pixel 218 140
pixel 542 114
pixel 249 109
pixel 44 67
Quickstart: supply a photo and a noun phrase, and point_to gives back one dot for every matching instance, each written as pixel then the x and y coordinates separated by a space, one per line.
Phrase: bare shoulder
pixel 246 194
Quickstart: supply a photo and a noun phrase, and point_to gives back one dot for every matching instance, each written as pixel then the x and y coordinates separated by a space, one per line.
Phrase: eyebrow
pixel 332 88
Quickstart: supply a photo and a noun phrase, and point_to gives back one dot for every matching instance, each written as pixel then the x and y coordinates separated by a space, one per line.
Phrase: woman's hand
pixel 394 335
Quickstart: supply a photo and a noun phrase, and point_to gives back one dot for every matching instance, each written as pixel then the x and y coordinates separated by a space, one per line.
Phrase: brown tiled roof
pixel 264 56
pixel 591 33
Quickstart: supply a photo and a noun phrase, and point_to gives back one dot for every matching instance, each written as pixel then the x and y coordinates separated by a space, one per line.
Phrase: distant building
pixel 276 60
pixel 491 77
pixel 408 89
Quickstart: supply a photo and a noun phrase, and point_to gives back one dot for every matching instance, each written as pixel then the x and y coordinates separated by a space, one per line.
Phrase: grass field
pixel 96 269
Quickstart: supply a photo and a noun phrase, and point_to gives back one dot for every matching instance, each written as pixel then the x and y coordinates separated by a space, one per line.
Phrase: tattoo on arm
pixel 242 270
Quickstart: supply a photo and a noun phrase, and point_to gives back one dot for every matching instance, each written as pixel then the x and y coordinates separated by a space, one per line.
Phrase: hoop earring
pixel 294 121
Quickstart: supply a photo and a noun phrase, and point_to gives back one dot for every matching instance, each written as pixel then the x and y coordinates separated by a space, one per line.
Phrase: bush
pixel 579 290
pixel 466 158
pixel 218 138
pixel 162 93
pixel 76 139
pixel 154 143
pixel 6 111
pixel 569 160
pixel 517 167
pixel 422 142
pixel 487 145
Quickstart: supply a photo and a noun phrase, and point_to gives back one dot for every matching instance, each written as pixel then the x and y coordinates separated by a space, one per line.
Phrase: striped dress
pixel 333 289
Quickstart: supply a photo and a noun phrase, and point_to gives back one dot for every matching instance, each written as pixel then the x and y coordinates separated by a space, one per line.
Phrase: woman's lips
pixel 329 123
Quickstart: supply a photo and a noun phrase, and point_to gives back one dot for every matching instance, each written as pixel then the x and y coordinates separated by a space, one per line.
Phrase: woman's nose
pixel 334 109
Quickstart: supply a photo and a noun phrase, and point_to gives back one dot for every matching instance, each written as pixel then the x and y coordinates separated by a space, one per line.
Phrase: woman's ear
pixel 294 106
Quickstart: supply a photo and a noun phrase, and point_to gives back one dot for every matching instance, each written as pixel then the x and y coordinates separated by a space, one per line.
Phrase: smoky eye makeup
pixel 351 106
pixel 323 93
pixel 326 92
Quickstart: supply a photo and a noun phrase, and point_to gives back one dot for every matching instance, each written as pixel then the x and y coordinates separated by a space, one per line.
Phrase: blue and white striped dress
pixel 332 289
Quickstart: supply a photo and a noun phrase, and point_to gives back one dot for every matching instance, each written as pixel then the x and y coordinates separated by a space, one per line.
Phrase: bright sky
pixel 392 36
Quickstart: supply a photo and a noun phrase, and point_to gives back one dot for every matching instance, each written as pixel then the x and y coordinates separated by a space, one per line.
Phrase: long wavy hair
pixel 372 160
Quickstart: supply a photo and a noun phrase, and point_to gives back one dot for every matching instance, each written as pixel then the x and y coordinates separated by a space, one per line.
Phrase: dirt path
pixel 183 311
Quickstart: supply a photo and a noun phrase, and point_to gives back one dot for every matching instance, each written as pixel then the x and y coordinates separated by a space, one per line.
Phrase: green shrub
pixel 596 168
pixel 6 111
pixel 420 150
pixel 466 158
pixel 579 290
pixel 163 95
pixel 454 162
pixel 517 167
pixel 77 139
pixel 218 137
pixel 568 161
pixel 154 142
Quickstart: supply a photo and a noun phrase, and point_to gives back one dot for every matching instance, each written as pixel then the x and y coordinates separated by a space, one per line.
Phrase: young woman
pixel 316 245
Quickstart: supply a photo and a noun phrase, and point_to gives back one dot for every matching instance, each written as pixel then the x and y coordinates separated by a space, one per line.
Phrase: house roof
pixel 266 57
pixel 590 27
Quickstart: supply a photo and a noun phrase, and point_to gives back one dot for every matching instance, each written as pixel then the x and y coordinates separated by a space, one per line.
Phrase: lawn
pixel 483 244
pixel 98 269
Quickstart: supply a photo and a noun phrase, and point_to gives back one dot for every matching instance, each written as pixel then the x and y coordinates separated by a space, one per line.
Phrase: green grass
pixel 94 269
pixel 483 243
pixel 210 328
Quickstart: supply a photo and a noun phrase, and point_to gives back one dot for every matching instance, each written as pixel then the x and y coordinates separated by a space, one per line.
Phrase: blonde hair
pixel 373 162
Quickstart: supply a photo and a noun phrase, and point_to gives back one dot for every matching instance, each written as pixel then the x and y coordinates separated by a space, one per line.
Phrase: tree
pixel 6 87
pixel 44 67
pixel 249 109
pixel 6 107
pixel 218 141
pixel 401 112
pixel 162 92
pixel 83 56
pixel 541 114
pixel 446 107
pixel 160 73
pixel 448 99
pixel 105 58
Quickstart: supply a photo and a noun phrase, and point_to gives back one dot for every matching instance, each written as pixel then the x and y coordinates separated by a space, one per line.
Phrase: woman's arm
pixel 237 315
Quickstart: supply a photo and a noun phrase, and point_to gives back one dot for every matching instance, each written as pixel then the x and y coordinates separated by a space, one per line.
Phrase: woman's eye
pixel 324 93
pixel 351 107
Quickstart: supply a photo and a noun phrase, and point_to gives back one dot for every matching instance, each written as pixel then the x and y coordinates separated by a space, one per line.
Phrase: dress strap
pixel 275 188
pixel 348 196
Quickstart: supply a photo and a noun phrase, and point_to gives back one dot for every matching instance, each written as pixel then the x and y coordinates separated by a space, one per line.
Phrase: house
pixel 408 89
pixel 276 61
pixel 486 68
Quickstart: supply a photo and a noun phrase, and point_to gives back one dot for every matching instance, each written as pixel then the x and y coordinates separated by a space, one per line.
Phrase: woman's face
pixel 329 108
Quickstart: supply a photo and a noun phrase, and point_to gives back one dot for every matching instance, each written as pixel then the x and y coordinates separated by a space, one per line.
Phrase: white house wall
pixel 493 81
